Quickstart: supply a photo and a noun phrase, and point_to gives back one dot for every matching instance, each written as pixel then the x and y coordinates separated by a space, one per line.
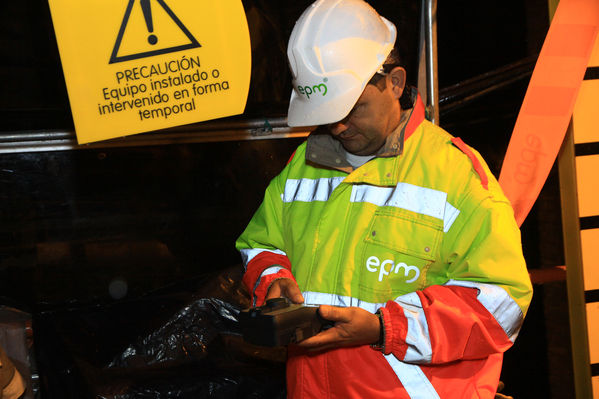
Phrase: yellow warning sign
pixel 134 66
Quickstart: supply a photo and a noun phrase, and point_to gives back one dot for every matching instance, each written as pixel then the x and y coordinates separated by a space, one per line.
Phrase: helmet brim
pixel 303 113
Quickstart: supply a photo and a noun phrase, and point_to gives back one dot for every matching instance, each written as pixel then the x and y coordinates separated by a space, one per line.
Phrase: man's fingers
pixel 274 291
pixel 335 313
pixel 287 288
pixel 321 339
pixel 292 291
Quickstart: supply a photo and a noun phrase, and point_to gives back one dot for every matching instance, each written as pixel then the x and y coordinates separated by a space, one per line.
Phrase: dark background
pixel 157 216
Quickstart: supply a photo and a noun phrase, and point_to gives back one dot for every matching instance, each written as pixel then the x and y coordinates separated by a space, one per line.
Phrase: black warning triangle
pixel 145 5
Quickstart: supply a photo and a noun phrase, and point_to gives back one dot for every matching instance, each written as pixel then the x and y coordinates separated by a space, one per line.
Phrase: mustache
pixel 347 133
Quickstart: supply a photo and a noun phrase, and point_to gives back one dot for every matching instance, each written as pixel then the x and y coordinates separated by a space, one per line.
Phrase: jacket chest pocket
pixel 398 248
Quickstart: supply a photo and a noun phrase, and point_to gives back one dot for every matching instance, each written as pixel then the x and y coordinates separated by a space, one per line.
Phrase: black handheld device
pixel 279 322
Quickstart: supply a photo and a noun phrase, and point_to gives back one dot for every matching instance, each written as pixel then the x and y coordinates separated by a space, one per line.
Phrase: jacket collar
pixel 324 150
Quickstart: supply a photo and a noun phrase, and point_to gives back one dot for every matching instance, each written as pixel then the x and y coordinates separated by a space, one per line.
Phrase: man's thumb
pixel 293 292
pixel 328 312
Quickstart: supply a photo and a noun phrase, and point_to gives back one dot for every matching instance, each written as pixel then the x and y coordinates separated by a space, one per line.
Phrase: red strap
pixel 475 162
pixel 291 157
pixel 416 118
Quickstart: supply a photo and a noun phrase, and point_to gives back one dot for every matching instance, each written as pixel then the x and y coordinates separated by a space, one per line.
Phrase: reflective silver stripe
pixel 449 216
pixel 271 270
pixel 248 254
pixel 417 338
pixel 309 190
pixel 413 379
pixel 321 298
pixel 410 375
pixel 408 196
pixel 498 302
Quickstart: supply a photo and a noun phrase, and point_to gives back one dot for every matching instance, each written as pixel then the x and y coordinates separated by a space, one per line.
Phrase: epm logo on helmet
pixel 309 90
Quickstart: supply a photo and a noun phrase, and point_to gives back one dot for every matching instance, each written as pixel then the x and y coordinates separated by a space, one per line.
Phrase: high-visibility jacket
pixel 427 237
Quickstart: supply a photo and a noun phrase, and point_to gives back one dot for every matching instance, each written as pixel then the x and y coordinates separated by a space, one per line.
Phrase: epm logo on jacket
pixel 388 266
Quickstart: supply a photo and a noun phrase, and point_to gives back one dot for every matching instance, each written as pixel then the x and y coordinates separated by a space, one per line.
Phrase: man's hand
pixel 285 287
pixel 353 326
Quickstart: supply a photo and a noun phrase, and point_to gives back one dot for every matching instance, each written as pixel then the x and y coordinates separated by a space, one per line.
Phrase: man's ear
pixel 397 76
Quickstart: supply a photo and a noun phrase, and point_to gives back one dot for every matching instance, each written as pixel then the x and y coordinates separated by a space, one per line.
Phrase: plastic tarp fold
pixel 182 342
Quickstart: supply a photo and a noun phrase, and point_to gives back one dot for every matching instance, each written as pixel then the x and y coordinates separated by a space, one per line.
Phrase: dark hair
pixel 378 79
pixel 391 62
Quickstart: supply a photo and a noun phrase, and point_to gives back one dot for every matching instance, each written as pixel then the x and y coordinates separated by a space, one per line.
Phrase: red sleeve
pixel 266 281
pixel 457 326
pixel 259 263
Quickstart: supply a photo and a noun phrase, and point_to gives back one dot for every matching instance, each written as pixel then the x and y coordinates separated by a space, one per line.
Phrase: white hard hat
pixel 335 48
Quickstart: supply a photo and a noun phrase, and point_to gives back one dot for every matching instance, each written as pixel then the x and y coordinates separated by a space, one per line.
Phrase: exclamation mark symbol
pixel 145 7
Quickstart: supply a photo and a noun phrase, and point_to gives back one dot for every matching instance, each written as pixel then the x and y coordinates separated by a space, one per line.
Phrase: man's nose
pixel 338 127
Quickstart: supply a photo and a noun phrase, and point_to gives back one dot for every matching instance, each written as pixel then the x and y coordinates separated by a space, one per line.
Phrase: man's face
pixel 373 118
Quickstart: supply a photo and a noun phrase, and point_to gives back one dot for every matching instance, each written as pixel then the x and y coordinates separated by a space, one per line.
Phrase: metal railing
pixel 438 102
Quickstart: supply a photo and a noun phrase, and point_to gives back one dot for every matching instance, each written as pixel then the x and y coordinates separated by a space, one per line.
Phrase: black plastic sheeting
pixel 183 342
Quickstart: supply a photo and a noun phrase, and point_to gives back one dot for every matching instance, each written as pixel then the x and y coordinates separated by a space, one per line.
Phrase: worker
pixel 395 228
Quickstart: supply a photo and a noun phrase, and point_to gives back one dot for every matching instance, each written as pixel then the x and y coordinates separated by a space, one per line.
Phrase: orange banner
pixel 548 104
